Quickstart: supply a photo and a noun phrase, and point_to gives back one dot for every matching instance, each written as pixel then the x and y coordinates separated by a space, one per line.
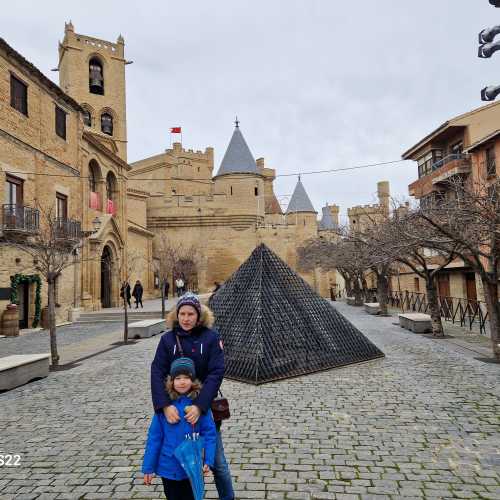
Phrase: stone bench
pixel 416 322
pixel 351 301
pixel 146 328
pixel 372 307
pixel 19 369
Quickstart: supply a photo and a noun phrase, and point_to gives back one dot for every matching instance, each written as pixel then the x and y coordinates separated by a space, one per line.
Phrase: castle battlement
pixel 177 150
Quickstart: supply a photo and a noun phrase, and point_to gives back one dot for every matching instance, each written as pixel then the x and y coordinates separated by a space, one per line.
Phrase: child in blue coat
pixel 163 438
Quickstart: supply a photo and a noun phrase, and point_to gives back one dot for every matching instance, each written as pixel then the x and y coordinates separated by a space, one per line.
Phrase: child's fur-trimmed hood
pixel 195 391
pixel 206 318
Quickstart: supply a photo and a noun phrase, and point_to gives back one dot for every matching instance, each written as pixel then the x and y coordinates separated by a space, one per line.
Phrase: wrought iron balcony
pixel 67 229
pixel 20 218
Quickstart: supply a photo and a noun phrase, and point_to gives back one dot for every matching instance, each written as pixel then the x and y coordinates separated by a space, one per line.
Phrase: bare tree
pixel 53 247
pixel 468 218
pixel 348 256
pixel 173 259
pixel 126 269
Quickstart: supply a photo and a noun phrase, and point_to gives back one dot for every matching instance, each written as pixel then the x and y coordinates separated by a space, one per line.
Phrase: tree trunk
pixel 348 287
pixel 163 298
pixel 433 301
pixel 382 293
pixel 51 289
pixel 491 298
pixel 358 293
pixel 125 318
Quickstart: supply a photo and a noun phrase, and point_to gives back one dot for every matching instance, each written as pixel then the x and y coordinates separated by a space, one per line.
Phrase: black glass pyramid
pixel 275 326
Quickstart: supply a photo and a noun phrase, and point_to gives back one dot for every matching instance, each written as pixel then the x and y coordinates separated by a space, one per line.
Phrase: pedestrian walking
pixel 167 288
pixel 164 437
pixel 137 294
pixel 125 292
pixel 191 335
pixel 179 284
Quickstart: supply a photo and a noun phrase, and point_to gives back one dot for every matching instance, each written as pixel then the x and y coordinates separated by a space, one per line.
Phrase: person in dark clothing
pixel 137 294
pixel 191 335
pixel 125 292
pixel 167 288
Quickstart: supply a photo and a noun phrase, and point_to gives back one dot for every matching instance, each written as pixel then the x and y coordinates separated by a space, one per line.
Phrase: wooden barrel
pixel 10 321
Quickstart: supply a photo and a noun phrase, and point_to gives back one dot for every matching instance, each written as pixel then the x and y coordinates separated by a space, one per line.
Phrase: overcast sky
pixel 316 84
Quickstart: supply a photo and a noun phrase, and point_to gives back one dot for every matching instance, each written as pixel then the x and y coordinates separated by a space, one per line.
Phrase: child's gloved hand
pixel 206 470
pixel 148 478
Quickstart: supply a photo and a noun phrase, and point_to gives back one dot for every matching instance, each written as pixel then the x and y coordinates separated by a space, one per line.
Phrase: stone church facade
pixel 65 148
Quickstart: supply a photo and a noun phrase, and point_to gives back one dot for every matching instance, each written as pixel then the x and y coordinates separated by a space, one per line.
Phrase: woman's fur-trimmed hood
pixel 206 318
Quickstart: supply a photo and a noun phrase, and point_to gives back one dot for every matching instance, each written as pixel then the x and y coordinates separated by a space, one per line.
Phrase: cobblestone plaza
pixel 421 423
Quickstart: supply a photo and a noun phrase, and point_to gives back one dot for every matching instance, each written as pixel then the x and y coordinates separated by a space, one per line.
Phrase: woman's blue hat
pixel 182 366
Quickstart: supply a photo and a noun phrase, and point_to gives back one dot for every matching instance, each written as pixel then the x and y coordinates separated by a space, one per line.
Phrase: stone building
pixel 64 148
pixel 63 151
pixel 228 214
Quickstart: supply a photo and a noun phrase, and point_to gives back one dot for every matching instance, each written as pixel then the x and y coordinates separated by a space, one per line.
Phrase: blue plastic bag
pixel 190 455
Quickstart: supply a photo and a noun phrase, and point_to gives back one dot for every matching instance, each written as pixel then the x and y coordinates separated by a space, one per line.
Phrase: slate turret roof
pixel 300 202
pixel 275 326
pixel 238 157
pixel 327 221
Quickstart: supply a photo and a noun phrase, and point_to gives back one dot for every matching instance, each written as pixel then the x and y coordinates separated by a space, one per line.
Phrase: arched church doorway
pixel 106 273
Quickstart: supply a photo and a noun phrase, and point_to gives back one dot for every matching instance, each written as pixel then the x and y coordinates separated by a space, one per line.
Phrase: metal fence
pixel 467 313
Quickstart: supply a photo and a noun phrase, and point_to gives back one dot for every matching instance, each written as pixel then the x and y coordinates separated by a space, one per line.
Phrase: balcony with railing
pixel 18 218
pixel 67 229
pixel 441 171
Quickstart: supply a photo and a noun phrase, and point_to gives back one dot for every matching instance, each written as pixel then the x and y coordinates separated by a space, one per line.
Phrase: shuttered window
pixel 18 95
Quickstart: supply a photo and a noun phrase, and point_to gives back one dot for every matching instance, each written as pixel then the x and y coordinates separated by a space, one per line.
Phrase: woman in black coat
pixel 137 293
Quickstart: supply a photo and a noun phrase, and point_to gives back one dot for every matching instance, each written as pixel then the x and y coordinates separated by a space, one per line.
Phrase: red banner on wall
pixel 110 207
pixel 94 200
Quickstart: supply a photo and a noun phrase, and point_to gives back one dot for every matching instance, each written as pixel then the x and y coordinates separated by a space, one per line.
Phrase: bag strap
pixel 179 346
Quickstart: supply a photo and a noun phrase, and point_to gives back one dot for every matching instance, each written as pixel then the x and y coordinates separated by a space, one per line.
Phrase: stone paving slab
pixel 421 423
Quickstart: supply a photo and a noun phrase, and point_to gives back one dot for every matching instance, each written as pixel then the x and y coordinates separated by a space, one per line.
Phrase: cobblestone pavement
pixel 421 423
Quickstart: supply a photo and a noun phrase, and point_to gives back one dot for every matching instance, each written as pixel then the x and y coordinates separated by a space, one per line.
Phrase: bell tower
pixel 92 71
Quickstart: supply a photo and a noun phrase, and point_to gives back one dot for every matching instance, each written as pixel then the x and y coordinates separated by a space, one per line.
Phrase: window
pixel 491 168
pixel 107 123
pixel 13 190
pixel 18 95
pixel 429 162
pixel 61 206
pixel 110 186
pixel 256 191
pixel 231 190
pixel 96 77
pixel 60 122
pixel 92 179
pixel 416 284
pixel 87 118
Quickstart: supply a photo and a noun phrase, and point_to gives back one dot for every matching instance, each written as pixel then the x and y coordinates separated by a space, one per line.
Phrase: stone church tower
pixel 92 71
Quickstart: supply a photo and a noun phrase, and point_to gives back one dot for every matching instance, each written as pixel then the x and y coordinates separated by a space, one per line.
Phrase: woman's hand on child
pixel 193 414
pixel 171 414
pixel 206 470
pixel 148 478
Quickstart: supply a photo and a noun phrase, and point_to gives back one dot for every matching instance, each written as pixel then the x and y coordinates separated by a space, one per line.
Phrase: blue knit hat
pixel 183 366
pixel 189 299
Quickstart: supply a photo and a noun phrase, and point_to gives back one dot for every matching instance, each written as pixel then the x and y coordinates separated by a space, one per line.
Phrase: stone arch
pixel 109 274
pixel 112 193
pixel 104 122
pixel 95 183
pixel 96 74
pixel 89 111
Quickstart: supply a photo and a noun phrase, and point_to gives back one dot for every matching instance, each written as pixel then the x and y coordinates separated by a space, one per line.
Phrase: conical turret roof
pixel 275 326
pixel 238 157
pixel 327 221
pixel 300 201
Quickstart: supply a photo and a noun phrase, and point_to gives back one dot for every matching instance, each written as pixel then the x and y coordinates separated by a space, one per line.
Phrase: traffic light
pixel 488 49
pixel 490 93
pixel 488 34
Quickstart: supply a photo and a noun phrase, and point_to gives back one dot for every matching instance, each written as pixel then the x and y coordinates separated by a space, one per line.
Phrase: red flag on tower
pixel 176 130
